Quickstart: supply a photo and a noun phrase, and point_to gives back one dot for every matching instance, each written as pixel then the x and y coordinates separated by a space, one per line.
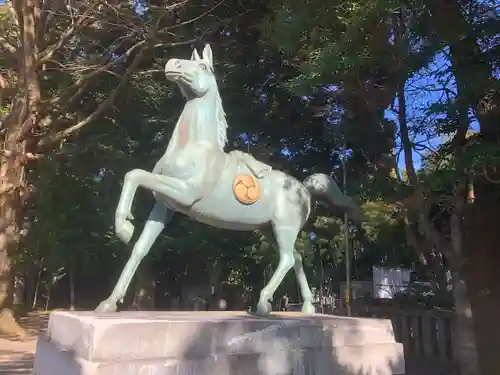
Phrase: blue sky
pixel 427 86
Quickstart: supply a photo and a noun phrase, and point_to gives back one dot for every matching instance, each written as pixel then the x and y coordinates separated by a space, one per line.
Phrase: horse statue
pixel 232 190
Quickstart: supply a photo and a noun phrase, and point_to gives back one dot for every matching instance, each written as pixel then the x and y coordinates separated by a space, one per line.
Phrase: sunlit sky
pixel 421 91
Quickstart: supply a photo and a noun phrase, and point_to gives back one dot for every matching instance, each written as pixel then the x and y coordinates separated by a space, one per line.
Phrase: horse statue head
pixel 196 80
pixel 195 77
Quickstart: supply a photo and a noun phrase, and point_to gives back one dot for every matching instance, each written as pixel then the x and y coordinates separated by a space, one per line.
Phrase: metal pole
pixel 346 239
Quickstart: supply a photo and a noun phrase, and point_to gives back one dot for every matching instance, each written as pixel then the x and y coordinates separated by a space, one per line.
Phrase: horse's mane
pixel 221 120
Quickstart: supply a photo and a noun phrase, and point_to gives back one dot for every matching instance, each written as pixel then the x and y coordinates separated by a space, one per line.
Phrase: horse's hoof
pixel 106 306
pixel 308 308
pixel 264 308
pixel 124 230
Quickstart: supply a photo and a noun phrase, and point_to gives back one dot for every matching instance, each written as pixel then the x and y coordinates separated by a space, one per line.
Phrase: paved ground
pixel 16 356
pixel 16 359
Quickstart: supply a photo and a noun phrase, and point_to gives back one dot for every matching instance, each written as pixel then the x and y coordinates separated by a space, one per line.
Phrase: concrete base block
pixel 216 343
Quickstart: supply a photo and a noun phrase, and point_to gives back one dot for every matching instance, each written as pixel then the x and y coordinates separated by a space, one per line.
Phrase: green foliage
pixel 328 39
pixel 309 78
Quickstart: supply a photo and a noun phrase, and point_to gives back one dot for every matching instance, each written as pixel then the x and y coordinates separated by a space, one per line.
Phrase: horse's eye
pixel 204 66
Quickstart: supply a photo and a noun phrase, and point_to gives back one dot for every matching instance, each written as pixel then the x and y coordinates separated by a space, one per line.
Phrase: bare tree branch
pixel 176 44
pixel 83 20
pixel 50 8
pixel 150 71
pixel 78 87
pixel 50 113
pixel 192 20
pixel 52 138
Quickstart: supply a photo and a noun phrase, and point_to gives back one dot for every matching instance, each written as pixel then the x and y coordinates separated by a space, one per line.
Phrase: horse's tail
pixel 326 189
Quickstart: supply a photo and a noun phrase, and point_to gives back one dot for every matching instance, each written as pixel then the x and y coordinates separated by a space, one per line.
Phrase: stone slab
pixel 101 337
pixel 222 343
pixel 378 359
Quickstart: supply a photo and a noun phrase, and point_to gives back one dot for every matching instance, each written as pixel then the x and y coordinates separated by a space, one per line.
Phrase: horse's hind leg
pixel 158 218
pixel 285 238
pixel 305 291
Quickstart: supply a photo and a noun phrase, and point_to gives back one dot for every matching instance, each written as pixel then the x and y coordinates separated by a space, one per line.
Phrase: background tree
pixel 368 55
pixel 65 64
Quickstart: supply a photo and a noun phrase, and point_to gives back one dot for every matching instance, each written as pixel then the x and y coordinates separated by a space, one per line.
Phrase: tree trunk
pixel 479 89
pixel 319 275
pixel 49 293
pixel 214 268
pixel 71 280
pixel 464 339
pixel 482 259
pixel 29 288
pixel 19 291
pixel 37 284
pixel 12 188
pixel 18 127
pixel 464 343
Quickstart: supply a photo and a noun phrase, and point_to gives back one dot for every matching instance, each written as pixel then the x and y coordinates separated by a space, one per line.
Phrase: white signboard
pixel 389 281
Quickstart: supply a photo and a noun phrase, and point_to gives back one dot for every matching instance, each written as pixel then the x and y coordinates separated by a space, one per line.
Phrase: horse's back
pixel 220 207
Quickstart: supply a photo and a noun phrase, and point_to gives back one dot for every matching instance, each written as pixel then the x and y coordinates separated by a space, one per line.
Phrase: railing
pixel 426 336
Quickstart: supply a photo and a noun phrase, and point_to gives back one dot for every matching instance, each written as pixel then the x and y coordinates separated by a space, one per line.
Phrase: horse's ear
pixel 195 56
pixel 208 55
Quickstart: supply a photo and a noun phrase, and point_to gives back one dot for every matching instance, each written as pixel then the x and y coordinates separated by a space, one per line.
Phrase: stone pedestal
pixel 216 343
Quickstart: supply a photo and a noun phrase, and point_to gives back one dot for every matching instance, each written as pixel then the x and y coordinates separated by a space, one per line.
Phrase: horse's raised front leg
pixel 285 238
pixel 173 188
pixel 305 291
pixel 158 218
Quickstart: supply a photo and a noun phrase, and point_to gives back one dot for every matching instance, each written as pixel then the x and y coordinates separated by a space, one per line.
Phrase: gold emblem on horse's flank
pixel 246 189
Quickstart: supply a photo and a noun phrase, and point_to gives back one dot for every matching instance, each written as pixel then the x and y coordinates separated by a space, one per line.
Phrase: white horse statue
pixel 233 190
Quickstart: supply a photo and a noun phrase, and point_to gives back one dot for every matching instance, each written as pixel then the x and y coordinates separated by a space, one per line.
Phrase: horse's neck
pixel 197 124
